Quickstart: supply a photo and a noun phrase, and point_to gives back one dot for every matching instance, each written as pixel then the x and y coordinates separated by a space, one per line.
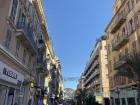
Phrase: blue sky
pixel 74 26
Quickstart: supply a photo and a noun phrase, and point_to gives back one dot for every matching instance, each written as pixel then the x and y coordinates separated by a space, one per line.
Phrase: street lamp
pixel 118 93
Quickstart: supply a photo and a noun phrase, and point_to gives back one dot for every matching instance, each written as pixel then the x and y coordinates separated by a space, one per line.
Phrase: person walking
pixel 40 101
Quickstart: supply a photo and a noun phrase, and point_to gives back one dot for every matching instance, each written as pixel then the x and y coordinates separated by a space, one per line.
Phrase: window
pixel 131 26
pixel 108 50
pixel 24 56
pixel 111 82
pixel 21 20
pixel 134 49
pixel 123 80
pixel 110 66
pixel 8 39
pixel 29 61
pixel 118 38
pixel 126 51
pixel 131 101
pixel 34 66
pixel 17 48
pixel 132 1
pixel 128 7
pixel 13 11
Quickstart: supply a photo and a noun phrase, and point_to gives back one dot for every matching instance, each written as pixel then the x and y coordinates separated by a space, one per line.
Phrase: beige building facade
pixel 81 82
pixel 17 53
pixel 25 52
pixel 96 72
pixel 123 38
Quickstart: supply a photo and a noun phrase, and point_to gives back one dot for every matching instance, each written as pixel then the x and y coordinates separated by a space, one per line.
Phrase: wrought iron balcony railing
pixel 121 42
pixel 41 45
pixel 25 34
pixel 118 22
pixel 120 63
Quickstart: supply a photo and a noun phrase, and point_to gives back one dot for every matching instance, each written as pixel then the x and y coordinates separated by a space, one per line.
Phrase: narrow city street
pixel 69 52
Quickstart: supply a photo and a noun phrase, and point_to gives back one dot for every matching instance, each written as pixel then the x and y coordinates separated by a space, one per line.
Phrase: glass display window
pixel 3 91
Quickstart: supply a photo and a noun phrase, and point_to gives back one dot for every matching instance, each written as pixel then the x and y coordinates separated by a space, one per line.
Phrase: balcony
pixel 96 55
pixel 96 82
pixel 96 64
pixel 93 75
pixel 120 63
pixel 41 45
pixel 25 5
pixel 25 34
pixel 121 42
pixel 118 22
pixel 42 66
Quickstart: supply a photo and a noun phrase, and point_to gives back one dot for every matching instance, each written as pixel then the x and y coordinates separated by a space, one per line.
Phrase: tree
pixel 80 96
pixel 131 70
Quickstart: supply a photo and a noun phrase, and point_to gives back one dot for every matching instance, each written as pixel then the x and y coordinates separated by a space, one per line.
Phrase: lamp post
pixel 118 93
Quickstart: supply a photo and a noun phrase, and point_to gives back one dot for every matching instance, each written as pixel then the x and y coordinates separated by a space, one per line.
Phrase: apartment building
pixel 24 47
pixel 81 82
pixel 123 38
pixel 50 80
pixel 56 88
pixel 96 72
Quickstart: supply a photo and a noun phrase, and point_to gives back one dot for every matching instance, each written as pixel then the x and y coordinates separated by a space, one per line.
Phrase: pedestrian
pixel 40 101
pixel 30 101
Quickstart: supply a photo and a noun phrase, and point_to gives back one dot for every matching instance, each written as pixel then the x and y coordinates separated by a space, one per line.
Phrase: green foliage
pixel 131 67
pixel 90 100
pixel 87 98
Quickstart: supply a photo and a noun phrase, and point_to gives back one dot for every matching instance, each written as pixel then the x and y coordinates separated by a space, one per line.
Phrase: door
pixel 10 97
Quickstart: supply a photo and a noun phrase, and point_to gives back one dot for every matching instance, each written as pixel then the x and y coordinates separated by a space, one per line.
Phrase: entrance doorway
pixel 10 96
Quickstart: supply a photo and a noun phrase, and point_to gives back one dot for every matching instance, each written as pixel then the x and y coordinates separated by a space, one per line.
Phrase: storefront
pixel 11 91
pixel 124 97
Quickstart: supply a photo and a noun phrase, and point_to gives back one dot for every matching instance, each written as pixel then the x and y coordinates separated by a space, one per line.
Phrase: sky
pixel 74 26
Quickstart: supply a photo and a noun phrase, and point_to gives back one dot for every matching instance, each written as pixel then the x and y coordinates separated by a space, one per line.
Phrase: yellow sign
pixel 99 99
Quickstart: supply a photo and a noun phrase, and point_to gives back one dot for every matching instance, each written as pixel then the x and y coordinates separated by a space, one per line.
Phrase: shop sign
pixel 10 75
pixel 99 99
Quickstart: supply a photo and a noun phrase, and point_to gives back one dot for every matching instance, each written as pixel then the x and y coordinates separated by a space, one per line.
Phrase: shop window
pixel 131 101
pixel 123 101
pixel 117 101
pixel 3 91
pixel 17 97
pixel 112 101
